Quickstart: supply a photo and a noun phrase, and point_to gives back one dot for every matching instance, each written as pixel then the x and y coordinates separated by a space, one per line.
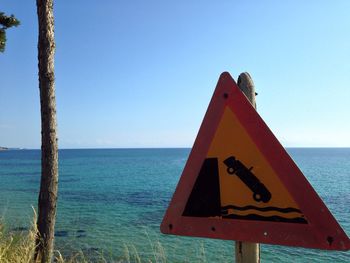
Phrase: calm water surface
pixel 112 201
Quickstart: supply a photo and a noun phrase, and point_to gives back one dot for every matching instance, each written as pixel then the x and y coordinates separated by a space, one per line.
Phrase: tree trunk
pixel 49 152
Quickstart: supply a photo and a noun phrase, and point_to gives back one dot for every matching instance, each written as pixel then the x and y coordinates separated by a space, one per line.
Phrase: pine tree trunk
pixel 49 152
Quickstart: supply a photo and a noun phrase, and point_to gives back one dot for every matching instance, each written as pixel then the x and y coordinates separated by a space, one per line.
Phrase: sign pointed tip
pixel 225 74
pixel 225 81
pixel 347 244
pixel 162 230
pixel 165 228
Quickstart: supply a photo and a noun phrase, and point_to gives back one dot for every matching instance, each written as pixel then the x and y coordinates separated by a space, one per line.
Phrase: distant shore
pixel 10 148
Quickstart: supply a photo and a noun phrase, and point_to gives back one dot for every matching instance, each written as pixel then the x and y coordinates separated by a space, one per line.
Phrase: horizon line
pixel 150 148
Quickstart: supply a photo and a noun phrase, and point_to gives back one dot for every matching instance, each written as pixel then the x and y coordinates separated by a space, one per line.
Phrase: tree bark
pixel 49 152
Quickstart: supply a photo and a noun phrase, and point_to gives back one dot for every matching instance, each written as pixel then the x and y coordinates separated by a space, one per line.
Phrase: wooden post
pixel 247 252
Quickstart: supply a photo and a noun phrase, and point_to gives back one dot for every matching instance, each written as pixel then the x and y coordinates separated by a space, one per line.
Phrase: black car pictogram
pixel 260 192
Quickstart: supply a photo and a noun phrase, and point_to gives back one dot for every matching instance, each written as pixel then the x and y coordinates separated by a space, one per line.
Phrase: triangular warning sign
pixel 239 183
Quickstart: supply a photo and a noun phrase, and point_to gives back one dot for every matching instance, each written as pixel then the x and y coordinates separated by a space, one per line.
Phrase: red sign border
pixel 322 230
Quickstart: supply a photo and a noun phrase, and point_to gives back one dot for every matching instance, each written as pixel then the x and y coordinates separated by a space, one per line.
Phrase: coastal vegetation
pixel 5 23
pixel 18 246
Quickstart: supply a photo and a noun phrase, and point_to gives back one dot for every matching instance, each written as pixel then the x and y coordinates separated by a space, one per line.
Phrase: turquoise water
pixel 112 201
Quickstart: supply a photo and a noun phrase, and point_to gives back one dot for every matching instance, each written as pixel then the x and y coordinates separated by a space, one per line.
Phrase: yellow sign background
pixel 231 139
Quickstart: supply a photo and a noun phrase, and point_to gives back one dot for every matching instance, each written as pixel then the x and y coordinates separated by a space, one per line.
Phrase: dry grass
pixel 19 247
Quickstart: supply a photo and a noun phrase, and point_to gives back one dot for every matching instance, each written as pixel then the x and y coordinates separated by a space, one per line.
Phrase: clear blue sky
pixel 141 73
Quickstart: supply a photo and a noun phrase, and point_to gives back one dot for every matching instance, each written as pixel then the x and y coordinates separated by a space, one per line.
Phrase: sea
pixel 111 203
